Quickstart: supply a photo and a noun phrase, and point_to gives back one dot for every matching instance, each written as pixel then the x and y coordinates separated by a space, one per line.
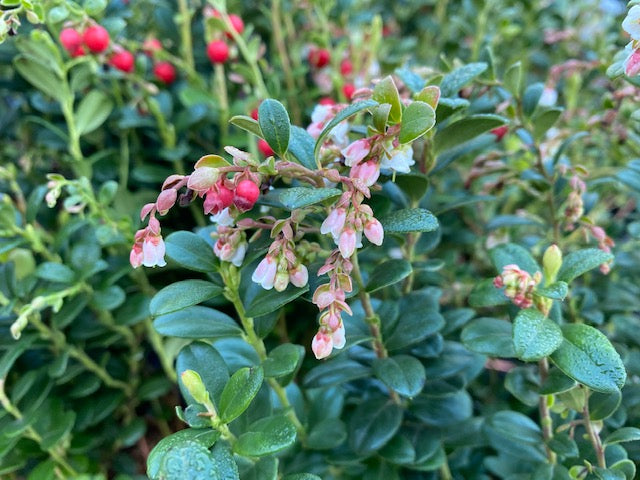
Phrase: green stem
pixel 223 98
pixel 186 42
pixel 593 435
pixel 545 415
pixel 156 342
pixel 372 318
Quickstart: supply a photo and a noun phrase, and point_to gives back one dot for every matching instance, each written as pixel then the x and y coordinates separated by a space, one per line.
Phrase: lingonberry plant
pixel 303 240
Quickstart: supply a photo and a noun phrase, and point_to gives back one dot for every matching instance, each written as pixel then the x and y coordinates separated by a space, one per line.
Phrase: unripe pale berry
pixel 264 148
pixel 348 89
pixel 164 72
pixel 218 51
pixel 246 195
pixel 319 57
pixel 123 61
pixel 70 39
pixel 151 45
pixel 96 38
pixel 237 23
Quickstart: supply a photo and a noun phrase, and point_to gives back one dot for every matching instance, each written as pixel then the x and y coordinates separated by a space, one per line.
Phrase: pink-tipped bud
pixel 322 345
pixel 323 296
pixel 166 200
pixel 374 232
pixel 265 273
pixel 136 256
pixel 368 172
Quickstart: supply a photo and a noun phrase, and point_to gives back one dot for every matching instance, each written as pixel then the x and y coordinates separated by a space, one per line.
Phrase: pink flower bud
pixel 322 345
pixel 202 179
pixel 323 296
pixel 334 223
pixel 356 152
pixel 347 242
pixel 374 232
pixel 265 273
pixel 282 281
pixel 146 210
pixel 632 64
pixel 299 275
pixel 368 172
pixel 136 256
pixel 338 337
pixel 166 200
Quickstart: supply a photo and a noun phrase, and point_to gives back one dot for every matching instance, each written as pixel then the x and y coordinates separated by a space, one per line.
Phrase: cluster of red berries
pixel 96 39
pixel 243 196
pixel 321 57
pixel 218 50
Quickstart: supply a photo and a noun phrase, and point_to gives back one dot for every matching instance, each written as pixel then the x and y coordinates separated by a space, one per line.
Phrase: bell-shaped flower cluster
pixel 518 284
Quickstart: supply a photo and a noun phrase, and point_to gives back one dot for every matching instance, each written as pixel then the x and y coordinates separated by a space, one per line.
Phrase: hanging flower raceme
pixel 148 247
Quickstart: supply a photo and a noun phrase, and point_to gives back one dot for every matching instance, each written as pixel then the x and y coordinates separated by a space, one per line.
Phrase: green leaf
pixel 531 98
pixel 188 459
pixel 266 436
pixel 335 372
pixel 388 273
pixel 92 111
pixel 302 476
pixel 515 434
pixel 510 253
pixel 489 336
pixel 283 360
pixel 458 78
pixel 275 125
pixel 327 434
pixel 556 291
pixel 417 119
pixel 381 116
pixel 442 410
pixel 485 294
pixel 340 117
pixel 465 130
pixel 267 301
pixel 240 390
pixel 40 76
pixel 410 220
pixel 513 79
pixel 94 7
pixel 402 373
pixel 197 322
pixel 534 335
pixel 564 445
pixel 543 121
pixel 55 272
pixel 580 262
pixel 419 319
pixel 205 437
pixel 587 356
pixel 624 434
pixel 190 251
pixel 386 91
pixel 301 146
pixel 247 123
pixel 373 424
pixel 603 405
pixel 626 467
pixel 300 197
pixel 182 294
pixel 207 362
pixel 226 467
pixel 413 184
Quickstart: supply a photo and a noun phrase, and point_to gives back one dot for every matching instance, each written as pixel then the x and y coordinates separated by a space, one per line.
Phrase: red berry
pixel 264 148
pixel 225 195
pixel 96 38
pixel 500 132
pixel 70 39
pixel 348 89
pixel 78 52
pixel 236 23
pixel 151 46
pixel 218 51
pixel 246 195
pixel 254 114
pixel 326 101
pixel 346 67
pixel 319 57
pixel 123 61
pixel 165 72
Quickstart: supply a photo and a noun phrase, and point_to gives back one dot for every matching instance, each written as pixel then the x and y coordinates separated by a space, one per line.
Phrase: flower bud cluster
pixel 575 206
pixel 518 284
pixel 148 247
pixel 330 299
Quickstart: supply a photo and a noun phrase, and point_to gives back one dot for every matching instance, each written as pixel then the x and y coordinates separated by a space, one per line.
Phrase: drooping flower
pixel 632 63
pixel 322 344
pixel 347 242
pixel 356 152
pixel 265 273
pixel 299 275
pixel 368 172
pixel 631 23
pixel 374 232
pixel 399 159
pixel 334 223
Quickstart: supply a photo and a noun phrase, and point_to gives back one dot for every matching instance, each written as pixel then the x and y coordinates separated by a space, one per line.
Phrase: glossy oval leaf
pixel 534 335
pixel 301 146
pixel 247 123
pixel 402 373
pixel 410 220
pixel 386 91
pixel 489 336
pixel 388 273
pixel 587 356
pixel 190 251
pixel 266 436
pixel 461 76
pixel 275 125
pixel 240 390
pixel 92 111
pixel 373 424
pixel 197 322
pixel 267 301
pixel 511 253
pixel 283 360
pixel 580 262
pixel 465 130
pixel 208 363
pixel 205 437
pixel 417 119
pixel 182 294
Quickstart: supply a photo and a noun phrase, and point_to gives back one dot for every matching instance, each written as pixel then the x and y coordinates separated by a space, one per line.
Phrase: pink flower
pixel 217 198
pixel 315 129
pixel 374 232
pixel 299 276
pixel 323 296
pixel 231 248
pixel 356 152
pixel 334 223
pixel 368 172
pixel 136 256
pixel 347 242
pixel 166 200
pixel 632 64
pixel 338 337
pixel 202 179
pixel 153 251
pixel 265 273
pixel 322 344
